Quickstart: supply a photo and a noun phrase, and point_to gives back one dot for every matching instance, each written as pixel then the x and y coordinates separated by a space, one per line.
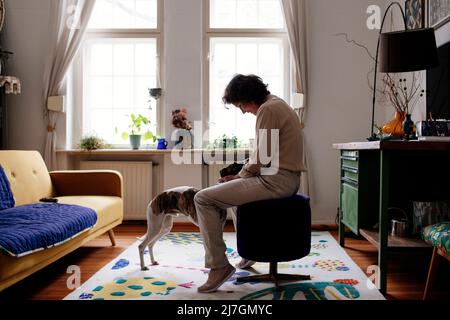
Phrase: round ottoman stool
pixel 274 231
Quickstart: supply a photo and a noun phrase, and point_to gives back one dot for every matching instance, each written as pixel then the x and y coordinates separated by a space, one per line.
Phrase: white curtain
pixel 68 22
pixel 295 13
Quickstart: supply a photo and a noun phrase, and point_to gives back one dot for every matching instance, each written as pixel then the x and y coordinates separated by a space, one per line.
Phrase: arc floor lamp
pixel 402 51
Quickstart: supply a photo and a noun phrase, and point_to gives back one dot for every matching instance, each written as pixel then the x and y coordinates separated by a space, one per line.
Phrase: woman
pixel 261 178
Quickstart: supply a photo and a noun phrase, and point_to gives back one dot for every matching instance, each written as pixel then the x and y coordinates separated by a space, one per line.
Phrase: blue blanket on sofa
pixel 30 228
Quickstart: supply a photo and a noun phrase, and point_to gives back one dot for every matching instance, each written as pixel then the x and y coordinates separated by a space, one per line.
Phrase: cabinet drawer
pixel 349 153
pixel 353 164
pixel 349 206
pixel 350 173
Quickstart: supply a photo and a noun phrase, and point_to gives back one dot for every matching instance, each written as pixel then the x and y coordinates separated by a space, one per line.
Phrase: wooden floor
pixel 406 279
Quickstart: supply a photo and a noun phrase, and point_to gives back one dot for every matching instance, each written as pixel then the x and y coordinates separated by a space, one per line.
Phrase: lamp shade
pixel 405 51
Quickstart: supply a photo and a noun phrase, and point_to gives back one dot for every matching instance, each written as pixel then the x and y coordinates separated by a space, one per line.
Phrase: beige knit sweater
pixel 276 114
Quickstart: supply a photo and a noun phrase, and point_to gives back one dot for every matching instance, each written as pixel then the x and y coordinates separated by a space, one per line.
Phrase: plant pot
pixel 135 141
pixel 395 126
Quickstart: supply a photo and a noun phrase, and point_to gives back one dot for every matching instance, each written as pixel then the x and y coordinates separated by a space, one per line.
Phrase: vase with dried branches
pixel 404 96
pixel 402 92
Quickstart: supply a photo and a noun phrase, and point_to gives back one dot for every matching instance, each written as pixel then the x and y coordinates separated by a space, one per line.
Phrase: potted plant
pixel 226 142
pixel 139 130
pixel 91 142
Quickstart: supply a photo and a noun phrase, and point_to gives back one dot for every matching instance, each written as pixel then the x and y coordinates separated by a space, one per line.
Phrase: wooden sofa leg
pixel 431 273
pixel 112 237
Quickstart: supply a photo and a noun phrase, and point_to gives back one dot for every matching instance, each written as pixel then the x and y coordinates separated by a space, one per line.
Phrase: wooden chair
pixel 438 236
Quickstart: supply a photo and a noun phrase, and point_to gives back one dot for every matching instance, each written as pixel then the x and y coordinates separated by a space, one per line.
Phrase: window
pixel 234 14
pixel 124 14
pixel 248 37
pixel 119 65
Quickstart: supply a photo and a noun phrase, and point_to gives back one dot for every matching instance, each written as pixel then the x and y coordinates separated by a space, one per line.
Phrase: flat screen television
pixel 438 86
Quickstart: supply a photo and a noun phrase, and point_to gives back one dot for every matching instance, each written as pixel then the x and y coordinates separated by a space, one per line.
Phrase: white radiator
pixel 137 184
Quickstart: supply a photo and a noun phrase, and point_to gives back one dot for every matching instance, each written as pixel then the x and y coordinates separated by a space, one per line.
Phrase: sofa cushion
pixel 438 235
pixel 109 209
pixel 30 228
pixel 6 196
pixel 28 176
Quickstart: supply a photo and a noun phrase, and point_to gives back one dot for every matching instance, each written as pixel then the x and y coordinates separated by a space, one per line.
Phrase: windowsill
pixel 147 151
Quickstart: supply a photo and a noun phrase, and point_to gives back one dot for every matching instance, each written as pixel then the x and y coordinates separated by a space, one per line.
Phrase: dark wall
pixel 438 86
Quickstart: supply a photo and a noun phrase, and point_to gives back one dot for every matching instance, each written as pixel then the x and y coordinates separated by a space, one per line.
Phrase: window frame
pixel 209 33
pixel 79 74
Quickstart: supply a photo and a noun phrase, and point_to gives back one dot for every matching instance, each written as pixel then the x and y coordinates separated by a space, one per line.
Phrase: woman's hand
pixel 229 178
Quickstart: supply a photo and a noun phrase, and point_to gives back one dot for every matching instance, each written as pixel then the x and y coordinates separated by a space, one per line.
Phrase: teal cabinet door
pixel 349 206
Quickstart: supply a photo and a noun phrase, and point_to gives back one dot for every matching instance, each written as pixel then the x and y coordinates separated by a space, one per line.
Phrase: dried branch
pixel 348 40
pixel 395 87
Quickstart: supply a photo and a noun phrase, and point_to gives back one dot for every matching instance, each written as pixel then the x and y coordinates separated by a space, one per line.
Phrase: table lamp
pixel 403 51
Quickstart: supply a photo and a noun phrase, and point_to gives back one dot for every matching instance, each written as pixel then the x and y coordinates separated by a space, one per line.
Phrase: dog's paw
pixel 155 263
pixel 144 269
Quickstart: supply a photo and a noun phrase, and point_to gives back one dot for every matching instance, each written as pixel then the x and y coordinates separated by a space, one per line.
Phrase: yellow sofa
pixel 30 181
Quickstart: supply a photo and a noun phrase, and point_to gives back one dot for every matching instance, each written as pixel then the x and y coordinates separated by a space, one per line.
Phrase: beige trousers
pixel 211 204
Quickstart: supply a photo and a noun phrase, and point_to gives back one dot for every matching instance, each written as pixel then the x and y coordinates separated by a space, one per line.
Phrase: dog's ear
pixel 155 205
pixel 160 203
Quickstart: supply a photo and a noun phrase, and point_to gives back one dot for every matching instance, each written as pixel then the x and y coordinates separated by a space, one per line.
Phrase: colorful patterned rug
pixel 181 256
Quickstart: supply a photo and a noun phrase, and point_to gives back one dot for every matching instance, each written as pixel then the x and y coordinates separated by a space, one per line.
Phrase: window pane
pixel 101 93
pixel 124 14
pixel 229 56
pixel 121 119
pixel 246 14
pixel 246 55
pixel 123 65
pixel 114 90
pixel 142 99
pixel 145 59
pixel 270 58
pixel 123 93
pixel 101 124
pixel 102 54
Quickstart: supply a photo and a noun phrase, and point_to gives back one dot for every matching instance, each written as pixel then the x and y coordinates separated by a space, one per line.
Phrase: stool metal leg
pixel 274 276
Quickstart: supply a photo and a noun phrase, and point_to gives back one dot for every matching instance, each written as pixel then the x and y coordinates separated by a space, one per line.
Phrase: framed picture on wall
pixel 438 13
pixel 415 14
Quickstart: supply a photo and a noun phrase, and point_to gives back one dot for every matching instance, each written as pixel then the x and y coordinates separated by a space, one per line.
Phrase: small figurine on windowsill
pixel 183 135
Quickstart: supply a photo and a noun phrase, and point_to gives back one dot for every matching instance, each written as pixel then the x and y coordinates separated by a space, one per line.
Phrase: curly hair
pixel 246 89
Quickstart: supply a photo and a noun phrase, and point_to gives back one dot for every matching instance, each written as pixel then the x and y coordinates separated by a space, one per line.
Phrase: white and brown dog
pixel 160 213
pixel 167 205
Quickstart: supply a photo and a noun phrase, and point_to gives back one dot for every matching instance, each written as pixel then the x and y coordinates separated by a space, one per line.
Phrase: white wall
pixel 183 59
pixel 26 34
pixel 340 101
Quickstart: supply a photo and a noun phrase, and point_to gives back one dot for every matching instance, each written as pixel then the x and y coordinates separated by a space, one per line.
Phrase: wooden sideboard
pixel 379 175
